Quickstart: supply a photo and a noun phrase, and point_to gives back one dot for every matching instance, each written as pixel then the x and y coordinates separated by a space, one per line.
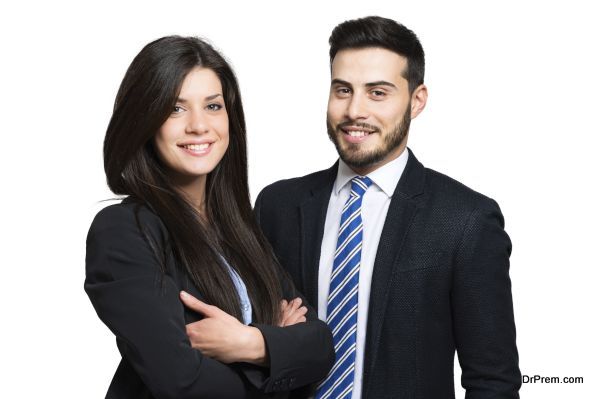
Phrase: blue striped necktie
pixel 342 302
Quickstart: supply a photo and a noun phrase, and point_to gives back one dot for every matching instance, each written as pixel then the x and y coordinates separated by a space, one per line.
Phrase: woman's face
pixel 194 138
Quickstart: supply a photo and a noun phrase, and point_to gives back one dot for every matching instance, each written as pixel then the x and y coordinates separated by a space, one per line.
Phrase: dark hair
pixel 144 101
pixel 385 33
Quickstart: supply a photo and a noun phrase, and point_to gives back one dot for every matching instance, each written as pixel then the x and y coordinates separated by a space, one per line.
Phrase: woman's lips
pixel 196 149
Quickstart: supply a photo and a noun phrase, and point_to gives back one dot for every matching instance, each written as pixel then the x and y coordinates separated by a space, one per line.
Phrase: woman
pixel 176 147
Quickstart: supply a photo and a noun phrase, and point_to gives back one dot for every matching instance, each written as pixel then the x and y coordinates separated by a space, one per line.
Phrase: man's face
pixel 369 110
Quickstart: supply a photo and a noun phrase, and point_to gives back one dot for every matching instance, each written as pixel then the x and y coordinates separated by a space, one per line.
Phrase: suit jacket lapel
pixel 401 212
pixel 313 212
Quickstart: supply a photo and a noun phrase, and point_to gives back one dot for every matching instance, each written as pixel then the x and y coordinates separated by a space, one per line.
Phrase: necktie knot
pixel 360 184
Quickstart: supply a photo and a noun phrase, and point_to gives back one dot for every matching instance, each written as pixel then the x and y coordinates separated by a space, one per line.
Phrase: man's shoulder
pixel 297 188
pixel 445 188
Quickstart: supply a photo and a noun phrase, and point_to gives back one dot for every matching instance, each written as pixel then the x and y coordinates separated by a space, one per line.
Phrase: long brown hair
pixel 144 101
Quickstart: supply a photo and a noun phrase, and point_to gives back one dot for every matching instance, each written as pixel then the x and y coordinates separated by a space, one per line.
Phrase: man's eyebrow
pixel 208 98
pixel 370 84
pixel 340 82
pixel 381 83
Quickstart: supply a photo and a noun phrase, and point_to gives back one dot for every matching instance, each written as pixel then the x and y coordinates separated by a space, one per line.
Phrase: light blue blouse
pixel 242 293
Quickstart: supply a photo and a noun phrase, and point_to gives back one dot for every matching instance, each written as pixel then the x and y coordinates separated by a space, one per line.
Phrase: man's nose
pixel 357 108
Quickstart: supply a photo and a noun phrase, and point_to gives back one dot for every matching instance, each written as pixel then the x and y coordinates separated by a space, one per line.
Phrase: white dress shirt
pixel 375 204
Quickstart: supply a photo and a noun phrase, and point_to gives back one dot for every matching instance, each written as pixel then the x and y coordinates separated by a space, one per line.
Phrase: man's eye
pixel 343 90
pixel 378 93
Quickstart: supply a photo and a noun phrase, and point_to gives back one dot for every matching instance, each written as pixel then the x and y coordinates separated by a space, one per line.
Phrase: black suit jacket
pixel 440 282
pixel 141 306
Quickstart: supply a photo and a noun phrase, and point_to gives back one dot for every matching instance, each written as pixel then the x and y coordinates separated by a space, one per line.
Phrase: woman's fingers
pixel 293 313
pixel 195 304
pixel 298 316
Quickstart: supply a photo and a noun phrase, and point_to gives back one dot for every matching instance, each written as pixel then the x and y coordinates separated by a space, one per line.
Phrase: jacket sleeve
pixel 482 308
pixel 141 306
pixel 300 354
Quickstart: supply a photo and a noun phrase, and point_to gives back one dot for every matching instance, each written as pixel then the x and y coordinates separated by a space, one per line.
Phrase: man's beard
pixel 352 154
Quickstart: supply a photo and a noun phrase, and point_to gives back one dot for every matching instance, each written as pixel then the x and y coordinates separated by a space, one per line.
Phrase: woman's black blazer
pixel 141 306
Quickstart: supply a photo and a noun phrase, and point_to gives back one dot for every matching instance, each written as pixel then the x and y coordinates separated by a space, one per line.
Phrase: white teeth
pixel 357 133
pixel 196 147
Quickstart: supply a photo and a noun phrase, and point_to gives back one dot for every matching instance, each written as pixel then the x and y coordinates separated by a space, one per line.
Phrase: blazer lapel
pixel 313 212
pixel 401 212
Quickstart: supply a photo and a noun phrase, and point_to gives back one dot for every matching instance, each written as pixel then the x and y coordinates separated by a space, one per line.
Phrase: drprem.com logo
pixel 537 379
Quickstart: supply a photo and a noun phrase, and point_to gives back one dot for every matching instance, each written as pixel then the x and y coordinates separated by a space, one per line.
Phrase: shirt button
pixel 245 306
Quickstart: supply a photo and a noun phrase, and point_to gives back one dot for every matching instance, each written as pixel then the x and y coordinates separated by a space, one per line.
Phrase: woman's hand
pixel 292 312
pixel 223 337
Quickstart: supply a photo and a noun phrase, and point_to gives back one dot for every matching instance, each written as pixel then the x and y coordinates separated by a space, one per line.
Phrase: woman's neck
pixel 193 189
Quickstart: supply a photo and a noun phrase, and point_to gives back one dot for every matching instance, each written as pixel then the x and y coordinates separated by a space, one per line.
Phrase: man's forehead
pixel 367 65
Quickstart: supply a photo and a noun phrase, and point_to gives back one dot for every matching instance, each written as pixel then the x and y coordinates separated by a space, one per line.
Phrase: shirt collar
pixel 385 177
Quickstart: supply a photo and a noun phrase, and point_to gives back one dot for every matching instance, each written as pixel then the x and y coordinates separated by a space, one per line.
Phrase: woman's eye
pixel 177 109
pixel 214 107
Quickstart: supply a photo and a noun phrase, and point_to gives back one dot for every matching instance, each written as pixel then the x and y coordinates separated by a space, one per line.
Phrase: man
pixel 405 264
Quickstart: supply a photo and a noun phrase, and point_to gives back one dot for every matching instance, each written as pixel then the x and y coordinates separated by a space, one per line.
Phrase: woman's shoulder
pixel 128 215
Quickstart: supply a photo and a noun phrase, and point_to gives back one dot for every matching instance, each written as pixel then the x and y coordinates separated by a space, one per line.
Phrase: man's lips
pixel 353 128
pixel 356 133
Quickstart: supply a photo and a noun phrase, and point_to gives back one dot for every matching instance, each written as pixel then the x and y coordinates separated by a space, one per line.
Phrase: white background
pixel 513 113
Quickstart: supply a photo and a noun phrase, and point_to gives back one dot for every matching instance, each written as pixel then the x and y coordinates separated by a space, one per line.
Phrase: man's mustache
pixel 363 125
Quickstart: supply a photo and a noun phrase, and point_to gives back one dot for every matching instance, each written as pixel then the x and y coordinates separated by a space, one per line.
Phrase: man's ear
pixel 418 101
